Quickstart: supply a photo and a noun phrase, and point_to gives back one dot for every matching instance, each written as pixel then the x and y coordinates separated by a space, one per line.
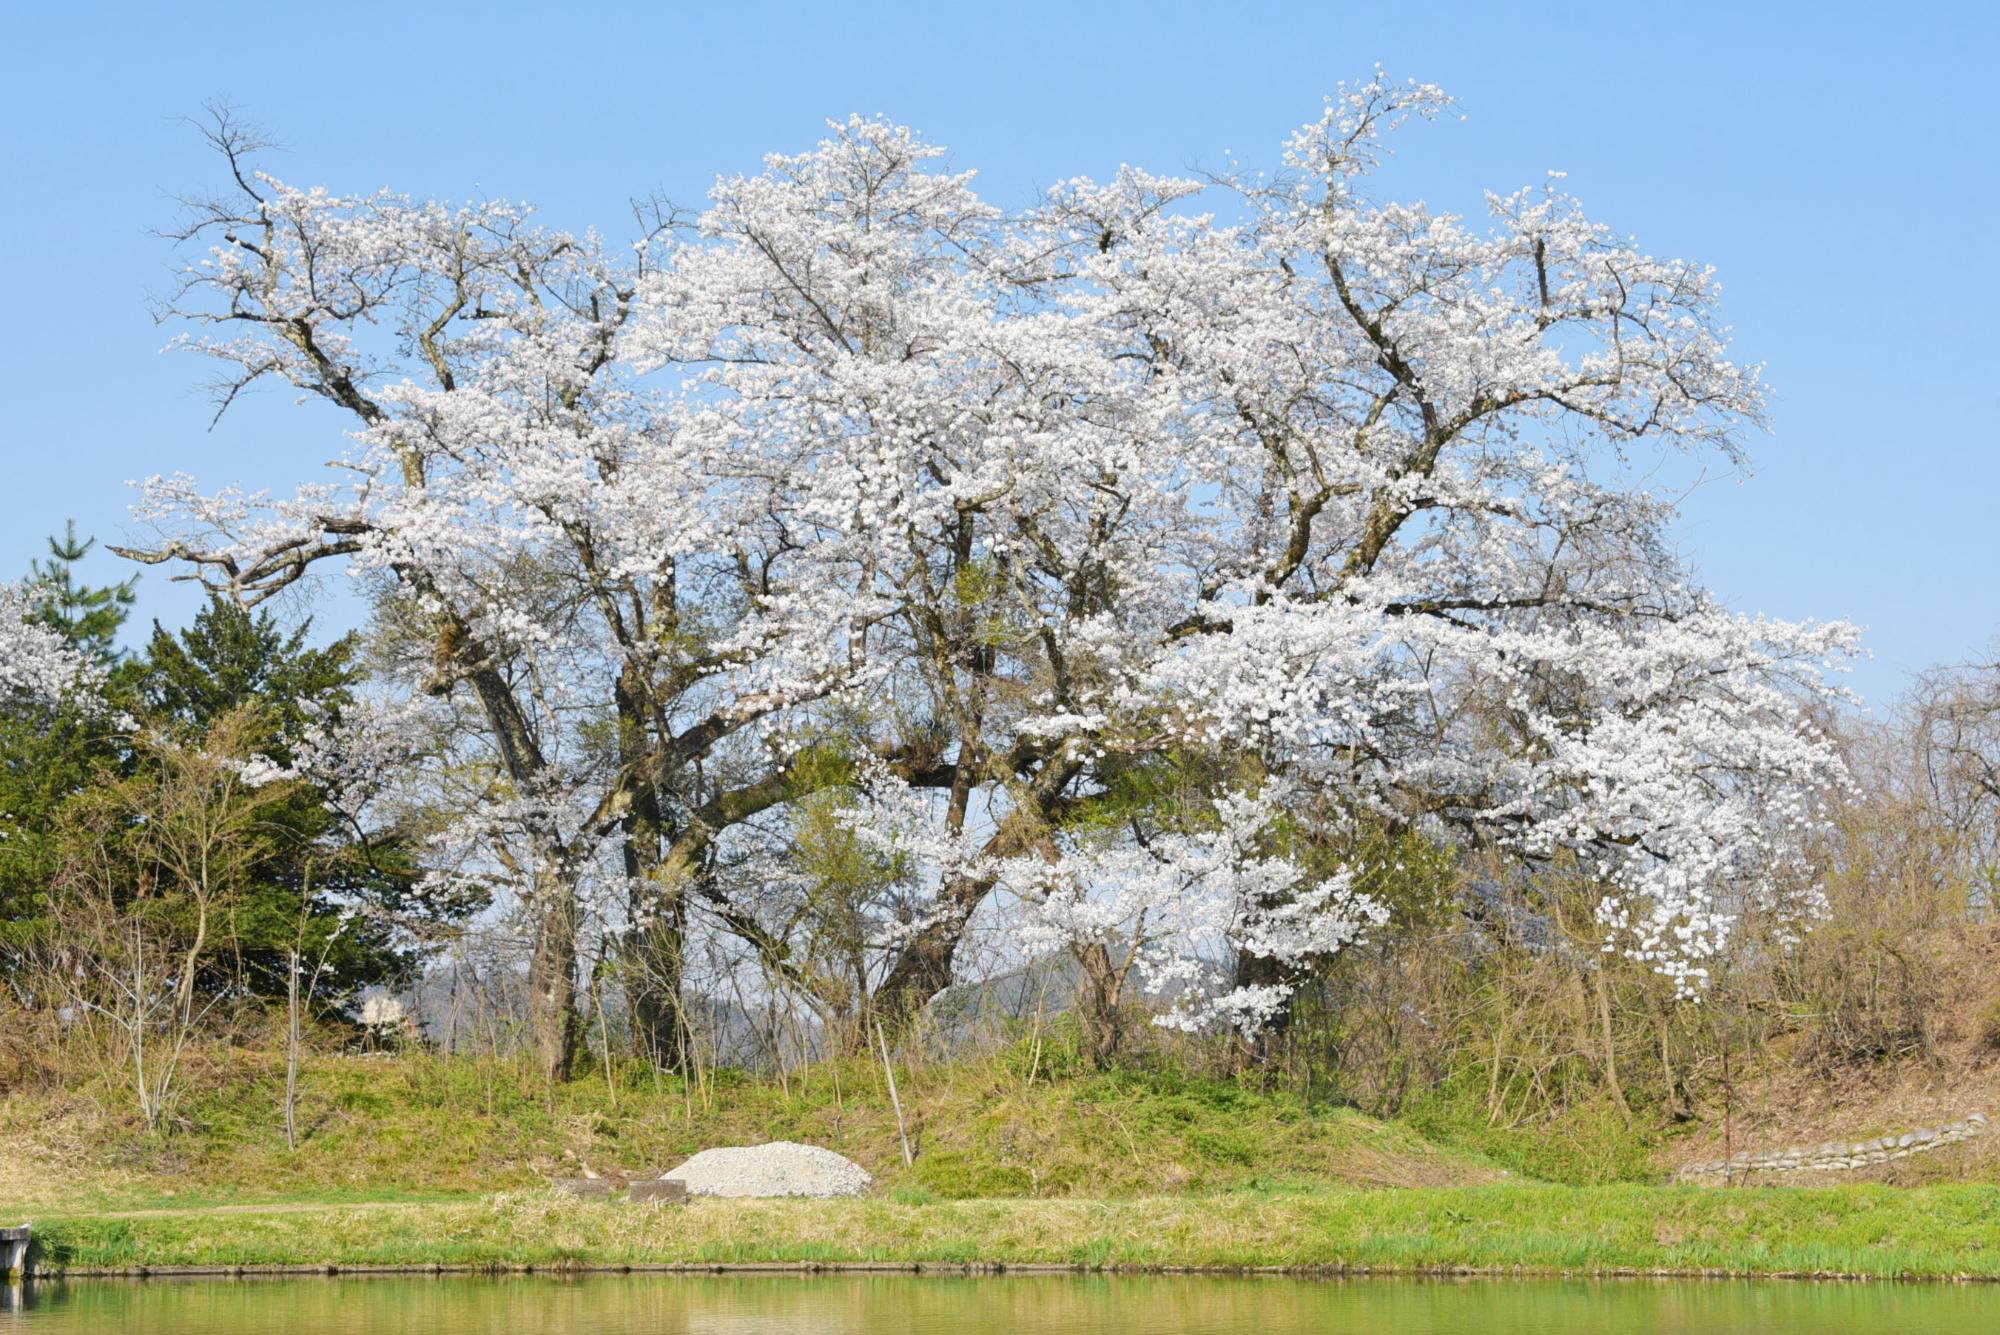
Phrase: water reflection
pixel 884 1305
pixel 20 1296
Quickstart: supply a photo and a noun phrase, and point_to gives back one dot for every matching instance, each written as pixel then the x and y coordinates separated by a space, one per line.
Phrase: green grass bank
pixel 1022 1159
pixel 1950 1232
pixel 420 1126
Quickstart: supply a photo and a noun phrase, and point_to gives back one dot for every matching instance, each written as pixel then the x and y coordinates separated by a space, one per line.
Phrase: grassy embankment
pixel 1883 1232
pixel 418 1161
pixel 420 1126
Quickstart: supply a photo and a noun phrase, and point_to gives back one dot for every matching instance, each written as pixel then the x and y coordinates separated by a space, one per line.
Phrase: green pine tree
pixel 232 663
pixel 88 616
pixel 52 750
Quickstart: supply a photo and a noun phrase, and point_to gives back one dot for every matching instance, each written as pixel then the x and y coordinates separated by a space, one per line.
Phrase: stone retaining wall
pixel 1836 1156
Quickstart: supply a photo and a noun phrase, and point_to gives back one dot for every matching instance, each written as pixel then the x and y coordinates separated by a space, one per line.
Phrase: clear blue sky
pixel 1837 162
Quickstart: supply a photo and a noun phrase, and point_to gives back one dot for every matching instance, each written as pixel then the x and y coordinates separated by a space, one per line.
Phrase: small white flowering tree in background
pixel 46 684
pixel 36 663
pixel 1019 506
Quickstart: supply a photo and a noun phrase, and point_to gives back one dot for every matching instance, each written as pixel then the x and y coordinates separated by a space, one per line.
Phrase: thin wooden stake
pixel 894 1100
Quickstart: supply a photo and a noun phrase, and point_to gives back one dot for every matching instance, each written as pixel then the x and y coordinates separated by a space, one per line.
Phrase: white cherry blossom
pixel 1020 501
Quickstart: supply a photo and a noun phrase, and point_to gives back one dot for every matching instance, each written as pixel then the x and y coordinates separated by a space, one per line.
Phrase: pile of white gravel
pixel 781 1168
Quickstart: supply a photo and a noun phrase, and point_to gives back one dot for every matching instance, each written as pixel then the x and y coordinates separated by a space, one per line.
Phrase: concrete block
pixel 16 1250
pixel 586 1188
pixel 660 1191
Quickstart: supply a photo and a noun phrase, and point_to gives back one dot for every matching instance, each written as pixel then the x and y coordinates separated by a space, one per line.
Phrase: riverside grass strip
pixel 1862 1232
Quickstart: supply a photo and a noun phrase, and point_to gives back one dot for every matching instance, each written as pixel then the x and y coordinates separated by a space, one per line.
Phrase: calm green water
pixel 762 1305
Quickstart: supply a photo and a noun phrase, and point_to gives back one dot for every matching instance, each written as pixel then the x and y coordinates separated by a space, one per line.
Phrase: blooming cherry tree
pixel 1335 491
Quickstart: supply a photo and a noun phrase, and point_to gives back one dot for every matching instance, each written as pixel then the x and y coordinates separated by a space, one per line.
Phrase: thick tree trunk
pixel 1103 1011
pixel 923 967
pixel 653 970
pixel 552 1014
pixel 1263 971
pixel 656 937
pixel 552 975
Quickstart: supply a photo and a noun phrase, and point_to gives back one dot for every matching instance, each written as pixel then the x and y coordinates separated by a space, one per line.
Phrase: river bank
pixel 1945 1232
